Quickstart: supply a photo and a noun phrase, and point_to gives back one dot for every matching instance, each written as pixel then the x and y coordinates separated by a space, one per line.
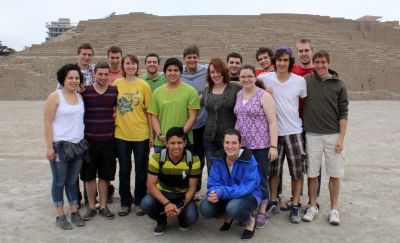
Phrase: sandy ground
pixel 368 204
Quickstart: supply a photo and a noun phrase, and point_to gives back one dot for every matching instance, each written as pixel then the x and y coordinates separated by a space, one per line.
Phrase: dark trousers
pixel 124 151
pixel 198 149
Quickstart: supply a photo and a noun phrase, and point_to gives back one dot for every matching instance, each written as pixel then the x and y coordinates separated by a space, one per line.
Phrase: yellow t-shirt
pixel 131 123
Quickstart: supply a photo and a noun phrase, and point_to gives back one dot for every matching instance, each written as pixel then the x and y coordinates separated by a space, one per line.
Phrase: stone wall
pixel 365 54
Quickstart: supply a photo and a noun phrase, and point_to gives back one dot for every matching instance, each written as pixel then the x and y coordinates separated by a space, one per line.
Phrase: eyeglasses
pixel 285 49
pixel 247 77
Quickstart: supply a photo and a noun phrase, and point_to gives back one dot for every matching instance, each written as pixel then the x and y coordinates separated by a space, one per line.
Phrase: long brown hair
pixel 220 67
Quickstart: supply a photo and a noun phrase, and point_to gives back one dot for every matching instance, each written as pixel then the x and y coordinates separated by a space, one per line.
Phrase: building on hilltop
pixel 56 28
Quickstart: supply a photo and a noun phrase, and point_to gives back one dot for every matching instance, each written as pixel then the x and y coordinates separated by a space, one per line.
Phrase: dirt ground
pixel 368 201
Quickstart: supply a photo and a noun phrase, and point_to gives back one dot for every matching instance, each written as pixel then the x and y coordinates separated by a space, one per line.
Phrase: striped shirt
pixel 174 177
pixel 99 113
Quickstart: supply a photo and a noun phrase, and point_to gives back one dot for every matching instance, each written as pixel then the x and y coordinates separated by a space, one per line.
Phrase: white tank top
pixel 68 121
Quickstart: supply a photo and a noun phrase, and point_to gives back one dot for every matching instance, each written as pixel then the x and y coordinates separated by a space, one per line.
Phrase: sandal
pixel 288 205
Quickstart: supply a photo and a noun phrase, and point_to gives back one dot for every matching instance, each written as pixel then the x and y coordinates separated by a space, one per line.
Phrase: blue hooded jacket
pixel 244 179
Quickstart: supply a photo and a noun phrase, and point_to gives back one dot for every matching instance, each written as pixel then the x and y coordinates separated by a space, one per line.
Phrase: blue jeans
pixel 240 209
pixel 65 175
pixel 154 208
pixel 140 152
pixel 209 148
pixel 261 155
pixel 157 149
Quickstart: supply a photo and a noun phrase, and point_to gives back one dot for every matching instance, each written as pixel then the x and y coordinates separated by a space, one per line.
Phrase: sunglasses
pixel 286 49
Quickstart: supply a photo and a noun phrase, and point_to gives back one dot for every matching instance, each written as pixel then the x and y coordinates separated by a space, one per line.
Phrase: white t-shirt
pixel 286 96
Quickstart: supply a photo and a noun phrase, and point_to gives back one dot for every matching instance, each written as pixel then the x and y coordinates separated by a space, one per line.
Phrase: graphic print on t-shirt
pixel 127 102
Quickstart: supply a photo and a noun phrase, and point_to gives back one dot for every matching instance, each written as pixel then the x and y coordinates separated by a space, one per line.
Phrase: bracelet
pixel 274 147
pixel 167 203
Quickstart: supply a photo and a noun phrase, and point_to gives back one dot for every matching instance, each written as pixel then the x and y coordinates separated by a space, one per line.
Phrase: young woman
pixel 133 133
pixel 219 99
pixel 256 121
pixel 64 128
pixel 233 185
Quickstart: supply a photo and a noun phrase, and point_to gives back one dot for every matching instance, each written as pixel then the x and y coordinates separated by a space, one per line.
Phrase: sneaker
pixel 272 207
pixel 106 213
pixel 309 205
pixel 183 226
pixel 311 213
pixel 62 223
pixel 160 229
pixel 77 220
pixel 197 196
pixel 139 211
pixel 333 217
pixel 261 220
pixel 89 214
pixel 124 211
pixel 294 216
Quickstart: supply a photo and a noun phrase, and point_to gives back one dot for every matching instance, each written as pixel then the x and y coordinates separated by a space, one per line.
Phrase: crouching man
pixel 171 183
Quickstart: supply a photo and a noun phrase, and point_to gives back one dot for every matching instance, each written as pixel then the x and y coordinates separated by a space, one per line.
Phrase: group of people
pixel 239 121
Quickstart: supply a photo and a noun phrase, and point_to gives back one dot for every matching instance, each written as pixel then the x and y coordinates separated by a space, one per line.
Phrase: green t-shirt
pixel 172 107
pixel 174 177
pixel 154 83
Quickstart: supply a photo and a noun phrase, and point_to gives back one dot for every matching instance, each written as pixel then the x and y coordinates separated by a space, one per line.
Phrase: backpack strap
pixel 189 159
pixel 163 158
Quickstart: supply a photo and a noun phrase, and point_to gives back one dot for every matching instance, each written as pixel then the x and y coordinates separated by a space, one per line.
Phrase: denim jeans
pixel 65 175
pixel 240 209
pixel 209 148
pixel 140 153
pixel 158 149
pixel 261 155
pixel 154 208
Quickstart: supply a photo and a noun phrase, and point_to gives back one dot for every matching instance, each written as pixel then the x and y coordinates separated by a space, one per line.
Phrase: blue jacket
pixel 244 179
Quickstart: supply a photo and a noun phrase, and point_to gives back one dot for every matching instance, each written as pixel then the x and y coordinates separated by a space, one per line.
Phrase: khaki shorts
pixel 316 146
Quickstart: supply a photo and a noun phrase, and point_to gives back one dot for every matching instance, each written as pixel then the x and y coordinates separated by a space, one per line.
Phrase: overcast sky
pixel 22 22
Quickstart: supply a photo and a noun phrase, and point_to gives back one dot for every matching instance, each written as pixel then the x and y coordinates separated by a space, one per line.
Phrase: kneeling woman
pixel 233 185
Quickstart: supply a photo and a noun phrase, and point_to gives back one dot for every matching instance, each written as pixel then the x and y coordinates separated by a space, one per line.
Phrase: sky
pixel 22 22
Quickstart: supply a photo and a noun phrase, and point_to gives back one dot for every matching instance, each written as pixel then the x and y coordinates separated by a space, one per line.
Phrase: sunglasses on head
pixel 286 49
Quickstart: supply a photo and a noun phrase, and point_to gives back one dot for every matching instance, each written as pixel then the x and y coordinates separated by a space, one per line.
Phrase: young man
pixel 85 54
pixel 264 59
pixel 234 62
pixel 100 100
pixel 304 54
pixel 114 58
pixel 194 74
pixel 287 89
pixel 173 104
pixel 172 179
pixel 325 123
pixel 153 77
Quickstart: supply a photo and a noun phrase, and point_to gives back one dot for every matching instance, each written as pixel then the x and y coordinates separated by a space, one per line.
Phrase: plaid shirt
pixel 89 75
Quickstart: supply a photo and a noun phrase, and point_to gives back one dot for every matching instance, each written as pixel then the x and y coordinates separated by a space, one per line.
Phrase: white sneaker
pixel 333 217
pixel 197 196
pixel 310 215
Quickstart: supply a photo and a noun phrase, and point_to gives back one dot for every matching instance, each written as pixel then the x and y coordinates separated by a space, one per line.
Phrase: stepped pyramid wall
pixel 365 54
